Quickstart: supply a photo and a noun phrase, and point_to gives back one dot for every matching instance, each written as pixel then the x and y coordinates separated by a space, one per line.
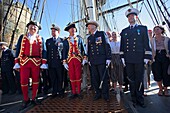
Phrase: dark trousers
pixel 126 81
pixel 91 80
pixel 8 82
pixel 56 76
pixel 135 75
pixel 18 84
pixel 45 83
pixel 97 75
pixel 160 67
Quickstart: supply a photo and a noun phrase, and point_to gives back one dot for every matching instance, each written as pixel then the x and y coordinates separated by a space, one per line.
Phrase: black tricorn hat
pixel 70 25
pixel 34 23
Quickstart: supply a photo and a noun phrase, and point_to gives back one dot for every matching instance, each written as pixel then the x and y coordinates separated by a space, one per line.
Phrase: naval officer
pixel 99 56
pixel 135 51
pixel 54 47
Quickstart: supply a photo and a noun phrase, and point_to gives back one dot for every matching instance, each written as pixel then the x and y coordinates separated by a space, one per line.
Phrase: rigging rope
pixel 109 18
pixel 33 9
pixel 152 12
pixel 47 23
pixel 149 14
pixel 48 12
pixel 36 11
pixel 155 11
pixel 56 10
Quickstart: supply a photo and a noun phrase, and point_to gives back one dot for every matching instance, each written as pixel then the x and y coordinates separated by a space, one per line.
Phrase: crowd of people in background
pixel 67 64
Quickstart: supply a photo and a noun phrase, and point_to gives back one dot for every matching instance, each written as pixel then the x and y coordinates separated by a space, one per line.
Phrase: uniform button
pixel 92 53
pixel 134 42
pixel 97 49
pixel 96 46
pixel 127 46
pixel 127 43
pixel 92 50
pixel 52 57
pixel 134 38
pixel 97 52
pixel 134 46
pixel 133 50
pixel 91 45
pixel 127 49
pixel 127 39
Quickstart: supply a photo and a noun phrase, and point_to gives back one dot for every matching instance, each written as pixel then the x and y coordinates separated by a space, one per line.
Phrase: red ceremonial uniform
pixel 30 59
pixel 72 54
pixel 74 64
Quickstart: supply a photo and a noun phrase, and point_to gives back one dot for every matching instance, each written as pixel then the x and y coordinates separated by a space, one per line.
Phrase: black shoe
pixel 61 95
pixel 107 99
pixel 35 102
pixel 72 96
pixel 126 88
pixel 24 104
pixel 96 97
pixel 53 96
pixel 80 96
pixel 12 93
pixel 134 104
pixel 4 93
pixel 141 104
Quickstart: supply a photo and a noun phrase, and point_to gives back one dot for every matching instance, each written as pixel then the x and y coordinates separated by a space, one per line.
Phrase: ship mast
pixel 1 18
pixel 90 7
pixel 5 19
pixel 13 33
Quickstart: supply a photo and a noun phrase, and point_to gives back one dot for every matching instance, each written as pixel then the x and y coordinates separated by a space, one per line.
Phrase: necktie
pixel 131 27
pixel 54 39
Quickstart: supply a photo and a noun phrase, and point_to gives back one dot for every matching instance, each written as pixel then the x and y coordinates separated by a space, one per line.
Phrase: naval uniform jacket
pixel 7 60
pixel 135 45
pixel 98 48
pixel 54 52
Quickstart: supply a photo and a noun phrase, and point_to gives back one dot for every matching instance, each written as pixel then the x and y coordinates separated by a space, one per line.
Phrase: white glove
pixel 123 61
pixel 44 66
pixel 89 63
pixel 16 66
pixel 66 66
pixel 146 61
pixel 108 62
pixel 84 61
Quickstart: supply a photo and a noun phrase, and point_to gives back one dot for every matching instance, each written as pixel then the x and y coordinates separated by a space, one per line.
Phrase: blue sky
pixel 59 12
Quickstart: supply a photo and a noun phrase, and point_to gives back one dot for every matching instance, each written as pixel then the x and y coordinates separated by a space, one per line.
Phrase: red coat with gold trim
pixel 30 52
pixel 79 50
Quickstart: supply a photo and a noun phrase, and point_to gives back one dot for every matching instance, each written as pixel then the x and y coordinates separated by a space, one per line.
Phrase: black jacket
pixel 7 60
pixel 54 52
pixel 134 47
pixel 98 48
